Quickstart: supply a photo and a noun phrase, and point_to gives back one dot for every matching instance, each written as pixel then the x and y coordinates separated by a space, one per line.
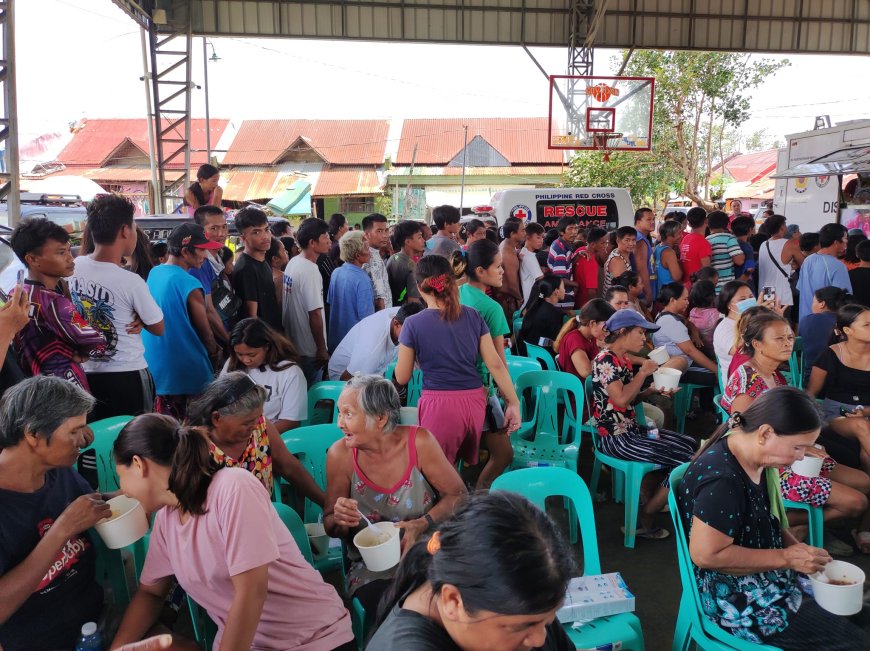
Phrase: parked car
pixel 158 227
pixel 68 210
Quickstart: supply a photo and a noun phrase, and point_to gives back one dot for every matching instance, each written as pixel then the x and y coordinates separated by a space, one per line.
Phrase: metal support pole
pixel 205 87
pixel 154 196
pixel 462 186
pixel 9 175
pixel 580 56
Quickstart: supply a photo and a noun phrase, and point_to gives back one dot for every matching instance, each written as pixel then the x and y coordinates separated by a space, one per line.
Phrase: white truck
pixel 810 172
pixel 606 208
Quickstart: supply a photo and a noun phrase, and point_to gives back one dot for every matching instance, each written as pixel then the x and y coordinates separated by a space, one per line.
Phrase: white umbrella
pixel 83 187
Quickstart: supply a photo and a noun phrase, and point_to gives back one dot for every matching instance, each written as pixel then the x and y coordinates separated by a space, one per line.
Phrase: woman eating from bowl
pixel 389 472
pixel 231 413
pixel 746 561
pixel 216 531
pixel 491 577
pixel 841 491
pixel 615 388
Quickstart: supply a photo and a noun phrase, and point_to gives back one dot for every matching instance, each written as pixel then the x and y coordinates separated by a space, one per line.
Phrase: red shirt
pixel 572 342
pixel 692 249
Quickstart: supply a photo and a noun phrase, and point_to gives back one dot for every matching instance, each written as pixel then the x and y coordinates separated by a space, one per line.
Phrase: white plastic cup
pixel 667 379
pixel 408 416
pixel 127 524
pixel 809 466
pixel 318 538
pixel 839 599
pixel 379 556
pixel 659 355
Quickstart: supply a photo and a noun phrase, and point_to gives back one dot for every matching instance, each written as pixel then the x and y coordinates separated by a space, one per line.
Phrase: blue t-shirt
pixel 446 350
pixel 749 265
pixel 817 271
pixel 815 331
pixel 68 595
pixel 178 360
pixel 205 274
pixel 351 298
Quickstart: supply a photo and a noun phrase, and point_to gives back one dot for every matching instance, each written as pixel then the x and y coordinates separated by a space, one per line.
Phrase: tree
pixel 701 98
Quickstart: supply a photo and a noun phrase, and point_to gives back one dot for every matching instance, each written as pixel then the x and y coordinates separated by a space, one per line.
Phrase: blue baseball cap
pixel 628 318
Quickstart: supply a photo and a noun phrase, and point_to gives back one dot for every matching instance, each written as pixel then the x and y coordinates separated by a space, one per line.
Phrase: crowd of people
pixel 213 351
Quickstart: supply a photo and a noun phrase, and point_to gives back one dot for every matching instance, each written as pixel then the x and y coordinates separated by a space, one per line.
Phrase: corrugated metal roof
pixel 114 174
pixel 750 167
pixel 520 140
pixel 342 142
pixel 515 170
pixel 96 139
pixel 248 185
pixel 347 180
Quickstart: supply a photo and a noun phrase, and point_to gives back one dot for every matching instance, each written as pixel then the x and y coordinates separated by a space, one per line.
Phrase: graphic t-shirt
pixel 240 531
pixel 286 391
pixel 400 271
pixel 303 292
pixel 107 296
pixel 68 595
pixel 54 333
pixel 446 350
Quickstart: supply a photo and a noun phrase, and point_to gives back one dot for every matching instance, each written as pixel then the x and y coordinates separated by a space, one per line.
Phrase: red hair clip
pixel 438 282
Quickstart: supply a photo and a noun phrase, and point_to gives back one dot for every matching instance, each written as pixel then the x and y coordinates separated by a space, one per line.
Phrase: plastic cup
pixel 127 524
pixel 379 556
pixel 666 379
pixel 659 355
pixel 318 538
pixel 839 599
pixel 809 466
pixel 408 416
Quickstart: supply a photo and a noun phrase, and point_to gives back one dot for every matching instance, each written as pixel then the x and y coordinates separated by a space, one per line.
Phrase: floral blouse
pixel 256 459
pixel 746 379
pixel 612 420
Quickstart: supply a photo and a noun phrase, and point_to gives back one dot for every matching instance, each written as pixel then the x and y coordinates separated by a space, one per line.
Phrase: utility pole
pixel 10 174
pixel 408 187
pixel 462 187
pixel 154 204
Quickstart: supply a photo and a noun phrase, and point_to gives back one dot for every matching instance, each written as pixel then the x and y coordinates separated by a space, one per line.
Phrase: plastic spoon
pixel 369 523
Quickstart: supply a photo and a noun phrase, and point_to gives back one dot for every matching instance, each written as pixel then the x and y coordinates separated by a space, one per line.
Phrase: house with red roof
pixel 114 154
pixel 747 178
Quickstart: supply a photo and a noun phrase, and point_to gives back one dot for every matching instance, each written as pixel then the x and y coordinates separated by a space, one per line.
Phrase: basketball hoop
pixel 606 143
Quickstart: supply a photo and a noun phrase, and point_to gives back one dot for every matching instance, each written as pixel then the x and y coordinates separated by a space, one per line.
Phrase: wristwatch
pixel 431 522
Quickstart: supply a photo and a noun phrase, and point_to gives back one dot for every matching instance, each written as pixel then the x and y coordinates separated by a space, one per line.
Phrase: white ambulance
pixel 607 208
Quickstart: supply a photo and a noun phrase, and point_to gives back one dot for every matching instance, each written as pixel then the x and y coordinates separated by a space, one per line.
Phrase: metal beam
pixel 171 63
pixel 9 174
pixel 581 56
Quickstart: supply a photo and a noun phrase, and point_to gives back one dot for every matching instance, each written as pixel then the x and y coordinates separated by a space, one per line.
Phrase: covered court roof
pixel 788 26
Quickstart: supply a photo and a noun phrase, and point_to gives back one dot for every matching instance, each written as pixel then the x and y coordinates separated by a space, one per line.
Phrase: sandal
pixel 862 540
pixel 653 533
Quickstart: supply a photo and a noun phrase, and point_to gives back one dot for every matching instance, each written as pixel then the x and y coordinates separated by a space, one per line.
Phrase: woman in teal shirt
pixel 481 265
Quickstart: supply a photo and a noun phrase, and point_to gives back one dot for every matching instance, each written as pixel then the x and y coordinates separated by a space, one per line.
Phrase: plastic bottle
pixel 91 640
pixel 652 432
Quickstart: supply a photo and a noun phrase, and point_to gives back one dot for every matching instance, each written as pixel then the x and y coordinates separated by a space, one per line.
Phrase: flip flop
pixel 862 540
pixel 654 533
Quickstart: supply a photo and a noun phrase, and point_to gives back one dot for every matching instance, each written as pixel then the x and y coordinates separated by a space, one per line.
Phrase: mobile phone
pixel 19 280
pixel 4 298
pixel 768 294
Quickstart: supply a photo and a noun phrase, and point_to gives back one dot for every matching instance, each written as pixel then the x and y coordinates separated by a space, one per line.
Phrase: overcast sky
pixel 82 58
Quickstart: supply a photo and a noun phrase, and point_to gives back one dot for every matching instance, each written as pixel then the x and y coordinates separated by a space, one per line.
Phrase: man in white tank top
pixel 775 258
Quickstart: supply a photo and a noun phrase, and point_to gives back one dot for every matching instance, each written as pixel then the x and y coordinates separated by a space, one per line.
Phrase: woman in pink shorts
pixel 446 340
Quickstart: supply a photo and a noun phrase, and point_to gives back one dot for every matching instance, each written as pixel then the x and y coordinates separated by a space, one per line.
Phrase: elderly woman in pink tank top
pixel 388 471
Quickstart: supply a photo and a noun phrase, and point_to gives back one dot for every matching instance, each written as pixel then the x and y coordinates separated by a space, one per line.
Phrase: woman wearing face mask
pixel 735 297
pixel 491 577
pixel 738 541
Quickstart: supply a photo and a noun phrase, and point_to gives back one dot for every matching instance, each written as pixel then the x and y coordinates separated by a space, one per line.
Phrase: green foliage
pixel 644 174
pixel 701 99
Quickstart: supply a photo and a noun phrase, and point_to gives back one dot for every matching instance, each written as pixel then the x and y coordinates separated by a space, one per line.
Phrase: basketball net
pixel 606 143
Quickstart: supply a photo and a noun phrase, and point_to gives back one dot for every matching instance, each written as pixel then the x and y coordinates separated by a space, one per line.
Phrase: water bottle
pixel 91 640
pixel 652 432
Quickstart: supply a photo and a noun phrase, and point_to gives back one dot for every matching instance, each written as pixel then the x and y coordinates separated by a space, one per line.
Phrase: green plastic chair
pixel 296 528
pixel 310 444
pixel 627 476
pixel 692 625
pixel 105 433
pixel 537 484
pixel 544 357
pixel 550 445
pixel 517 365
pixel 415 386
pixel 723 415
pixel 815 516
pixel 204 628
pixel 327 391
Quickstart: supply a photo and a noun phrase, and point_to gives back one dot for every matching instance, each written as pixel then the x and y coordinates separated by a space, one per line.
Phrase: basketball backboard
pixel 603 113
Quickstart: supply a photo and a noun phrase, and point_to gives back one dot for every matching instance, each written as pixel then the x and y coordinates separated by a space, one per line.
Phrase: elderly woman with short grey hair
pixel 231 412
pixel 47 560
pixel 351 296
pixel 387 471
